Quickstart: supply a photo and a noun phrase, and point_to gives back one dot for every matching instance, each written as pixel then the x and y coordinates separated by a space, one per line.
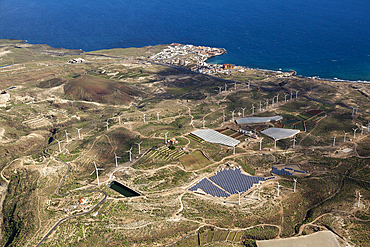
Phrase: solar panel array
pixel 209 188
pixel 212 136
pixel 299 171
pixel 280 172
pixel 233 180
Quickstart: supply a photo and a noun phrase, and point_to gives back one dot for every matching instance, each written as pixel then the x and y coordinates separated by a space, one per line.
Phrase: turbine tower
pixel 232 114
pixel 78 130
pixel 239 196
pixel 158 115
pixel 60 150
pixel 261 144
pixel 356 109
pixel 165 136
pixel 119 119
pixel 144 117
pixel 223 121
pixel 296 93
pixel 334 139
pixel 272 101
pixel 139 143
pixel 203 121
pixel 253 109
pixel 267 104
pixel 278 188
pixel 354 133
pixel 291 95
pixel 249 84
pixel 235 85
pixel 345 135
pixel 116 157
pixel 260 106
pixel 359 197
pixel 353 111
pixel 225 87
pixel 97 172
pixel 294 141
pixel 66 135
pixel 275 143
pixel 259 192
pixel 243 109
pixel 277 99
pixel 295 183
pixel 219 89
pixel 107 123
pixel 130 153
pixel 285 97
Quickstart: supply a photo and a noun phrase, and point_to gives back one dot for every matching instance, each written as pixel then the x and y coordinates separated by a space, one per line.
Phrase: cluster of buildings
pixel 184 55
pixel 77 60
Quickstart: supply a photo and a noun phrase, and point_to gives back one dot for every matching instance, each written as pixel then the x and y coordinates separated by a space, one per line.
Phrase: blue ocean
pixel 325 38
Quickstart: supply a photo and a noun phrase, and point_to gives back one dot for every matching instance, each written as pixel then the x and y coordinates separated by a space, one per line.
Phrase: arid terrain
pixel 132 114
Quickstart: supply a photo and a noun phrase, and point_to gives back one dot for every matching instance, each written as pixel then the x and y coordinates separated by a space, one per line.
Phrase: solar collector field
pixel 231 181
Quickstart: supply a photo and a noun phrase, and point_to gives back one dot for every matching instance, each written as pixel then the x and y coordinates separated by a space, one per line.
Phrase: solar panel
pixel 209 188
pixel 233 181
pixel 280 172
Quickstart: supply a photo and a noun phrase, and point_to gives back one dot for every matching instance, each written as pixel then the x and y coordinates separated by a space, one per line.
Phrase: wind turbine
pixel 78 130
pixel 239 196
pixel 203 121
pixel 165 136
pixel 354 132
pixel 219 89
pixel 60 150
pixel 291 95
pixel 296 93
pixel 144 117
pixel 278 188
pixel 130 153
pixel 119 119
pixel 345 135
pixel 97 172
pixel 353 111
pixel 116 157
pixel 107 123
pixel 223 119
pixel 66 135
pixel 275 143
pixel 356 109
pixel 368 125
pixel 294 141
pixel 267 104
pixel 285 97
pixel 277 99
pixel 261 144
pixel 259 193
pixel 359 197
pixel 249 84
pixel 243 109
pixel 138 143
pixel 260 106
pixel 295 183
pixel 232 114
pixel 272 101
pixel 235 85
pixel 334 139
pixel 253 109
pixel 225 87
pixel 158 115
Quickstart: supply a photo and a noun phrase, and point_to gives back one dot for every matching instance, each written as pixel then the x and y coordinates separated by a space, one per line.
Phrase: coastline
pixel 204 60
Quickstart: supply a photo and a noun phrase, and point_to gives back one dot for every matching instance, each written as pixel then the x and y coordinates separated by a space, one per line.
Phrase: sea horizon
pixel 327 39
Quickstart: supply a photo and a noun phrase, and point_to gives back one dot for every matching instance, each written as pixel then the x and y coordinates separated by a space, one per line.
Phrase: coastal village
pixel 195 57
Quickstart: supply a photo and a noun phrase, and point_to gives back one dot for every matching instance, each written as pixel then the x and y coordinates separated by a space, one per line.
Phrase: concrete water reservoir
pixel 123 190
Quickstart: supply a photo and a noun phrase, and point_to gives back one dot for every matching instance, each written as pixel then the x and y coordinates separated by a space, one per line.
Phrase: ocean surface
pixel 325 38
